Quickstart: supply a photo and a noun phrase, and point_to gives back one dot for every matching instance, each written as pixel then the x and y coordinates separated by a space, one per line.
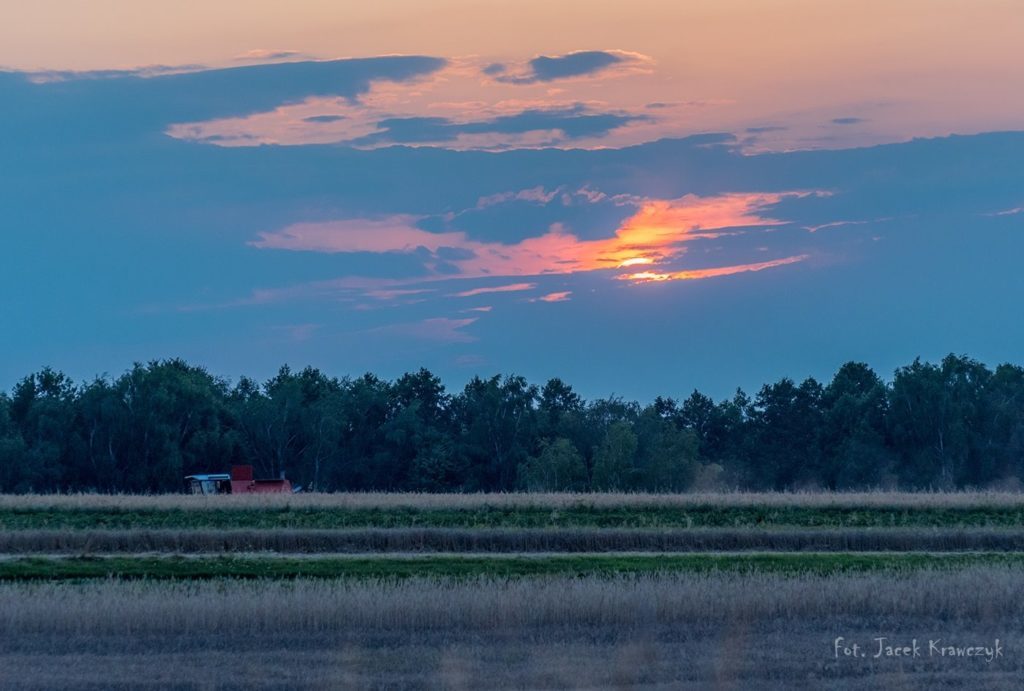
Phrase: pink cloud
pixel 657 232
pixel 515 287
pixel 260 54
pixel 639 252
pixel 392 234
pixel 562 296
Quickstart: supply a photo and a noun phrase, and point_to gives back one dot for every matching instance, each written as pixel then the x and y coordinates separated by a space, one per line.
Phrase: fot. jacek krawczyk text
pixel 885 647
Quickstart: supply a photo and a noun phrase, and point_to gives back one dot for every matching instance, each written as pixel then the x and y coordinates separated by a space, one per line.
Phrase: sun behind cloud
pixel 655 237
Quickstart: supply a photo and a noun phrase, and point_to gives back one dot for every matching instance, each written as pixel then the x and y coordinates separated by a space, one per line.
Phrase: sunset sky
pixel 641 198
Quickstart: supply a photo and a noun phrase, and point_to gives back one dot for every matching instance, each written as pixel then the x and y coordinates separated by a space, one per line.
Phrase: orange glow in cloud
pixel 696 274
pixel 657 233
pixel 635 261
pixel 562 296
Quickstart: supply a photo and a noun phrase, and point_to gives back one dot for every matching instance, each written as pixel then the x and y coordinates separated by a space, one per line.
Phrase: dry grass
pixel 554 501
pixel 448 540
pixel 691 630
pixel 672 632
pixel 484 605
pixel 728 659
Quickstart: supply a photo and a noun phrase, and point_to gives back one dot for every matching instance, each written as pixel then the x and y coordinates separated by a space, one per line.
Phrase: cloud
pixel 572 122
pixel 438 329
pixel 655 235
pixel 697 274
pixel 536 194
pixel 119 105
pixel 839 224
pixel 323 119
pixel 375 121
pixel 510 217
pixel 586 212
pixel 1008 212
pixel 392 234
pixel 847 121
pixel 93 187
pixel 270 54
pixel 561 296
pixel 544 68
pixel 512 288
pixel 765 129
pixel 388 294
pixel 41 77
pixel 299 333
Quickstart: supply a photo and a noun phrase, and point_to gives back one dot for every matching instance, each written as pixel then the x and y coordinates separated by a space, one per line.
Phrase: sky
pixel 640 198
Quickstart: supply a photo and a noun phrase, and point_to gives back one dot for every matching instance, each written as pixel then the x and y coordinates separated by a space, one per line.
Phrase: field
pixel 727 591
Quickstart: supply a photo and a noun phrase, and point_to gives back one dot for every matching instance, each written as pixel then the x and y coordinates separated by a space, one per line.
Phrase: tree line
pixel 949 425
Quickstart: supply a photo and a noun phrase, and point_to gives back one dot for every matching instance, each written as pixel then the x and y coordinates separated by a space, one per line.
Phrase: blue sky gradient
pixel 125 239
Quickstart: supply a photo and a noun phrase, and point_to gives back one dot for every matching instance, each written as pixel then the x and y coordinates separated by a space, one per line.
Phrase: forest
pixel 952 425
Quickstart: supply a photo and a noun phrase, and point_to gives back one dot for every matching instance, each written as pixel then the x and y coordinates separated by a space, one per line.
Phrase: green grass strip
pixel 581 516
pixel 447 566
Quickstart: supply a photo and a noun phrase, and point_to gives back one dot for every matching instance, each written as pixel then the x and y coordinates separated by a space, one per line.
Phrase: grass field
pixel 506 541
pixel 728 591
pixel 517 500
pixel 688 631
pixel 697 516
pixel 497 566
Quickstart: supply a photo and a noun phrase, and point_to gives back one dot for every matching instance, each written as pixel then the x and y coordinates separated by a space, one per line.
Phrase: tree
pixel 667 454
pixel 948 425
pixel 17 474
pixel 169 421
pixel 1001 441
pixel 102 421
pixel 364 463
pixel 43 411
pixel 785 422
pixel 854 446
pixel 418 434
pixel 936 414
pixel 615 459
pixel 558 468
pixel 560 413
pixel 496 421
pixel 720 430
